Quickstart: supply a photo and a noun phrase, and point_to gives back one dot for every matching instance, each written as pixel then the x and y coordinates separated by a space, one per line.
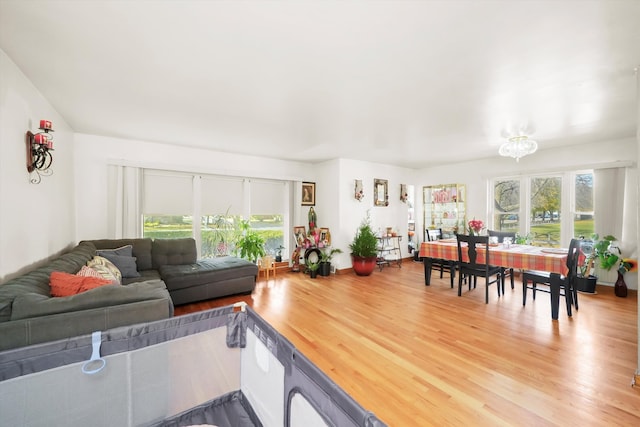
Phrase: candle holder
pixel 39 152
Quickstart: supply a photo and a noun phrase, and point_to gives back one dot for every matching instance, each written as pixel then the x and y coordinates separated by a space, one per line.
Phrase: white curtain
pixel 609 201
pixel 124 183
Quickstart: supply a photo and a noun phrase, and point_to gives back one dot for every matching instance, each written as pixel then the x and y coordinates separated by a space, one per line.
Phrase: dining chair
pixel 439 264
pixel 472 269
pixel 541 280
pixel 501 235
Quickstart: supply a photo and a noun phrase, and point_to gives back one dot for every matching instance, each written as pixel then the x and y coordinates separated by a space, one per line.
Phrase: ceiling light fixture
pixel 518 146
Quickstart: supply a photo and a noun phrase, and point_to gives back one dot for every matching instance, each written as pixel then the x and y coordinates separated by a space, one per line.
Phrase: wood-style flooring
pixel 422 356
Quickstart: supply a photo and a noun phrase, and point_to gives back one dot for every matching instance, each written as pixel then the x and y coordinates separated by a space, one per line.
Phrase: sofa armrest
pixel 32 305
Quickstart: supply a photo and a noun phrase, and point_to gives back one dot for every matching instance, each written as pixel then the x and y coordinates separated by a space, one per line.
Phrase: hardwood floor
pixel 421 356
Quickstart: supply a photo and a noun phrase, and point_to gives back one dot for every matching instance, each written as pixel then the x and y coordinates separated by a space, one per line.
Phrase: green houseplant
pixel 326 255
pixel 313 267
pixel 597 249
pixel 250 245
pixel 364 248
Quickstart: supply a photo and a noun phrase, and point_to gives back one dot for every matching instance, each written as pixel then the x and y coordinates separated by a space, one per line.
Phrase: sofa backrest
pixel 141 249
pixel 37 281
pixel 174 252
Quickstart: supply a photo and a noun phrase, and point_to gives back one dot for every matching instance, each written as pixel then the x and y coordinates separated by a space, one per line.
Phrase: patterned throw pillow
pixel 92 272
pixel 122 258
pixel 105 268
pixel 66 284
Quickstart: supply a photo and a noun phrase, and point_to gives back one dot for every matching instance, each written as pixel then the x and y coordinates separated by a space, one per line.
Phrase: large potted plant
pixel 250 245
pixel 364 249
pixel 326 255
pixel 597 249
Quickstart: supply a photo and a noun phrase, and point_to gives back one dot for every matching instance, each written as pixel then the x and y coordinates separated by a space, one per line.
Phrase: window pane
pixel 271 228
pixel 218 234
pixel 507 205
pixel 167 226
pixel 546 196
pixel 583 224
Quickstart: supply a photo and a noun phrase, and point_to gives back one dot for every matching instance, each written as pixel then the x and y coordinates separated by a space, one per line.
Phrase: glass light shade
pixel 518 146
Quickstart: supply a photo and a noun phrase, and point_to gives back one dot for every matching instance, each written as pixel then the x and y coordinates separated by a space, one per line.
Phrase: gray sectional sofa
pixel 168 273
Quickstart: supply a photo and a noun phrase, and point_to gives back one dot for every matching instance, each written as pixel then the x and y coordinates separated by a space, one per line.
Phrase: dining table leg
pixel 427 270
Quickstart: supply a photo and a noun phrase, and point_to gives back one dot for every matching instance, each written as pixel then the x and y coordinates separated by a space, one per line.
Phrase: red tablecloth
pixel 517 256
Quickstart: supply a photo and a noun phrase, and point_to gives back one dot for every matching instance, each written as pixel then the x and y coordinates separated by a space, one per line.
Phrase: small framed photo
pixel 300 234
pixel 308 194
pixel 325 236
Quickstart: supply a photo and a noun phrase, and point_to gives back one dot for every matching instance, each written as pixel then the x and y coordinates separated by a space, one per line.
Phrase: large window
pixel 533 206
pixel 171 201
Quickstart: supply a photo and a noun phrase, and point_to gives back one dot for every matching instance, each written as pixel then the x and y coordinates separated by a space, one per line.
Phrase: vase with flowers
pixel 475 227
pixel 626 264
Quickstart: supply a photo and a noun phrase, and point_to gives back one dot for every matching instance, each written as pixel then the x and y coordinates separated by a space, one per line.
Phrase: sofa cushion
pixel 206 271
pixel 126 264
pixel 173 252
pixel 66 284
pixel 141 249
pixel 106 268
pixel 33 305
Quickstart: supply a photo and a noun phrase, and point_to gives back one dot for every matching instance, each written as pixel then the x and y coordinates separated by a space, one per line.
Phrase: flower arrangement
pixel 627 264
pixel 475 226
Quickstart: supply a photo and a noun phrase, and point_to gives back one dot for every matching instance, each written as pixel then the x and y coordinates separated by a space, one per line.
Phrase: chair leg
pixel 460 284
pixel 524 292
pixel 511 275
pixel 533 288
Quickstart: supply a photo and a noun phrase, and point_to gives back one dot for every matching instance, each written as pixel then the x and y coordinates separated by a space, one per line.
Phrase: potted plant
pixel 326 255
pixel 364 249
pixel 250 245
pixel 313 267
pixel 600 250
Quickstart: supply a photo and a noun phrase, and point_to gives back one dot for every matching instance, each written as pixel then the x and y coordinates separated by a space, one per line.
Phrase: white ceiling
pixel 399 82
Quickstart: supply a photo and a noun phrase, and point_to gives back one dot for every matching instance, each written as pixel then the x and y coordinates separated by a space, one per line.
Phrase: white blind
pixel 267 197
pixel 220 194
pixel 167 193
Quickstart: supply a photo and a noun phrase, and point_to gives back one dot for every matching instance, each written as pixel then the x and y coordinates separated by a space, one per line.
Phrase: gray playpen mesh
pixel 223 367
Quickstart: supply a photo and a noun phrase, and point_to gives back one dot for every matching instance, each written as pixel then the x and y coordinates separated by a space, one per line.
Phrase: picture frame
pixel 308 194
pixel 325 236
pixel 380 192
pixel 299 234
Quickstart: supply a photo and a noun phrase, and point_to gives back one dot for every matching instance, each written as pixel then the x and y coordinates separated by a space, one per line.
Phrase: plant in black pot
pixel 326 255
pixel 250 245
pixel 364 249
pixel 313 267
pixel 597 249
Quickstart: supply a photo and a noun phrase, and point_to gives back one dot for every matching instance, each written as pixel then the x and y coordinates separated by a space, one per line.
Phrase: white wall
pixel 36 221
pixel 94 153
pixel 476 175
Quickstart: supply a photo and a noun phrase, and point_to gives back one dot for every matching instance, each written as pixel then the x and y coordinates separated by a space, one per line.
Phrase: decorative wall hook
pixel 39 152
pixel 359 191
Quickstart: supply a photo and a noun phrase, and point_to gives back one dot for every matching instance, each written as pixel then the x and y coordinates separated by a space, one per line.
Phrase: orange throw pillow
pixel 65 284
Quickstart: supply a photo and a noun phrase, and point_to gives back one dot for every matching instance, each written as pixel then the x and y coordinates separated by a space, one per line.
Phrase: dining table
pixel 516 256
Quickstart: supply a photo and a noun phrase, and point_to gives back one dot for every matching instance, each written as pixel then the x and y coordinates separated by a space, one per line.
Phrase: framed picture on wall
pixel 380 192
pixel 308 194
pixel 325 236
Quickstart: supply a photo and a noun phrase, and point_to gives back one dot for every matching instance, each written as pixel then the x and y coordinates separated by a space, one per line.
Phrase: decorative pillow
pixel 126 264
pixel 126 250
pixel 105 268
pixel 93 272
pixel 66 284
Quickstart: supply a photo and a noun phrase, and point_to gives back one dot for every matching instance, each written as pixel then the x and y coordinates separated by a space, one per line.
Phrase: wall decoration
pixel 380 192
pixel 300 234
pixel 308 194
pixel 325 237
pixel 359 192
pixel 403 193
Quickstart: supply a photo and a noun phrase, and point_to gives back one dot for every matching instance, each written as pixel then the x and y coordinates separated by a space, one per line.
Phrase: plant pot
pixel 325 269
pixel 313 273
pixel 586 284
pixel 363 266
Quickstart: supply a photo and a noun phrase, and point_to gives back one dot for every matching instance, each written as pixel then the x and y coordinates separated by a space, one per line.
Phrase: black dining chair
pixel 438 264
pixel 501 235
pixel 472 269
pixel 541 280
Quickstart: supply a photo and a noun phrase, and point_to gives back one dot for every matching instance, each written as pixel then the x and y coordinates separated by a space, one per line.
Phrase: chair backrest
pixel 433 234
pixel 502 234
pixel 572 258
pixel 473 242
